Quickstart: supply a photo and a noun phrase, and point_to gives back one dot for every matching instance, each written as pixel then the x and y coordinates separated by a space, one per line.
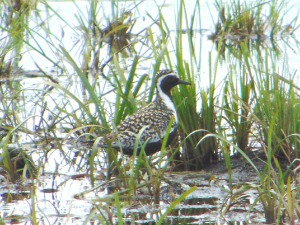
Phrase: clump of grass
pixel 278 104
pixel 237 102
pixel 194 125
pixel 274 190
pixel 253 24
pixel 258 106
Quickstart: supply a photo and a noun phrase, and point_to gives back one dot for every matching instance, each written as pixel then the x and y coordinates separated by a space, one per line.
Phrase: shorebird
pixel 151 122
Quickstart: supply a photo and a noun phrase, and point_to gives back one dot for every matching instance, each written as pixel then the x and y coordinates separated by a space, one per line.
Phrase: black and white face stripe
pixel 165 81
pixel 163 90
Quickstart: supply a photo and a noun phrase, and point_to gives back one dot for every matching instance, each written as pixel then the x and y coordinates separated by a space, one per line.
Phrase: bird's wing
pixel 154 123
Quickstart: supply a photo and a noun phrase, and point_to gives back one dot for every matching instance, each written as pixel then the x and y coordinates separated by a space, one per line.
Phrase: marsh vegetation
pixel 71 71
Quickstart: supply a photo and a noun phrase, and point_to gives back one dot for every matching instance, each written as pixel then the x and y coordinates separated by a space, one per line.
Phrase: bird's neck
pixel 164 97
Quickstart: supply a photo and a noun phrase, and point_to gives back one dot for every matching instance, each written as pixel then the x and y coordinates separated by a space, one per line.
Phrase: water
pixel 57 197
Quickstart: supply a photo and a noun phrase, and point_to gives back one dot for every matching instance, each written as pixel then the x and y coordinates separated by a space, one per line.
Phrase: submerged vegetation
pixel 83 88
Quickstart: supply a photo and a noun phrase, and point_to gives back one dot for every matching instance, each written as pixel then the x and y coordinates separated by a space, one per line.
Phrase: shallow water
pixel 64 176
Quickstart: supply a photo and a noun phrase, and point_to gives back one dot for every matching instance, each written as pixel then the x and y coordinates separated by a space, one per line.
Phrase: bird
pixel 151 121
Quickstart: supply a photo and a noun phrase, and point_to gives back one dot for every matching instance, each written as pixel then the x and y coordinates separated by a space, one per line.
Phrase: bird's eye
pixel 170 78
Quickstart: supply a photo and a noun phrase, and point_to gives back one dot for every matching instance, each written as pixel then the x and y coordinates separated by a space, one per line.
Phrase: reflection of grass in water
pixel 257 25
pixel 13 27
pixel 118 34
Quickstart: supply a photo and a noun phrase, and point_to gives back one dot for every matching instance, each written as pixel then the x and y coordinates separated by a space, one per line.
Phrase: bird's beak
pixel 184 82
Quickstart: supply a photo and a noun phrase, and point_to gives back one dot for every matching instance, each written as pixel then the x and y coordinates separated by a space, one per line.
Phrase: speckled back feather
pixel 154 118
